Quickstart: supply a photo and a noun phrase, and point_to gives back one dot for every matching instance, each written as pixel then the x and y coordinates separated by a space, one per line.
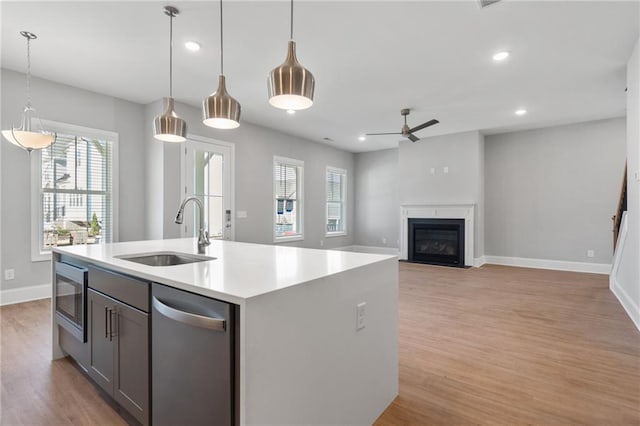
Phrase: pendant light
pixel 220 110
pixel 27 136
pixel 168 127
pixel 291 85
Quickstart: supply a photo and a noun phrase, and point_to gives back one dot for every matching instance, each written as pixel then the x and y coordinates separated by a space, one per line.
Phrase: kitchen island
pixel 316 330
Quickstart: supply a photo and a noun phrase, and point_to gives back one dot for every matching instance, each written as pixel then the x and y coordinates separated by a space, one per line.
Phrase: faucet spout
pixel 203 233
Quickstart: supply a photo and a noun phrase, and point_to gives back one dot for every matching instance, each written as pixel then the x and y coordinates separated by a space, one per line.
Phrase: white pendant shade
pixel 26 136
pixel 28 140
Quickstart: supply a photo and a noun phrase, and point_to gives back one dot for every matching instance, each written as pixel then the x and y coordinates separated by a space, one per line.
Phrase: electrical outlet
pixel 384 240
pixel 591 253
pixel 241 214
pixel 446 169
pixel 9 274
pixel 360 315
pixel 433 170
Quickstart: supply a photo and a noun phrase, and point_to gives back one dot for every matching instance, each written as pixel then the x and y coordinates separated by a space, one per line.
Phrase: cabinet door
pixel 101 344
pixel 131 381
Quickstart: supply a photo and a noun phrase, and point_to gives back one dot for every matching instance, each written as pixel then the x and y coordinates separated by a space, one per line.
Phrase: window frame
pixel 299 164
pixel 343 182
pixel 37 253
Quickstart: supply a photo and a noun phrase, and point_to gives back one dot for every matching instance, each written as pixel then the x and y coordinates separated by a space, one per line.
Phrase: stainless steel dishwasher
pixel 193 359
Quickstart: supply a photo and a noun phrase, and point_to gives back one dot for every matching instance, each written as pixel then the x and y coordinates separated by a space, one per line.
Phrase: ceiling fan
pixel 406 131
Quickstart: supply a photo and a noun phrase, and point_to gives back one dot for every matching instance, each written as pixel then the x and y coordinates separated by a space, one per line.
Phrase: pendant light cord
pixel 171 15
pixel 28 71
pixel 221 43
pixel 291 32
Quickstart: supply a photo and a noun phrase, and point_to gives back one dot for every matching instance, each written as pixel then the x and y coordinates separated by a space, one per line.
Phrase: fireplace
pixel 436 241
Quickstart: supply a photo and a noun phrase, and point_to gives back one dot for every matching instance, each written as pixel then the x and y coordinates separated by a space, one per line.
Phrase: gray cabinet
pixel 119 345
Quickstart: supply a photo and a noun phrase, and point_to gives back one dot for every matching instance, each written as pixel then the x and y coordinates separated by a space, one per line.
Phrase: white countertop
pixel 241 270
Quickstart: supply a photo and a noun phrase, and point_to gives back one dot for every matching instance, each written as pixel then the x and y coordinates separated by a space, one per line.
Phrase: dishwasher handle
pixel 217 324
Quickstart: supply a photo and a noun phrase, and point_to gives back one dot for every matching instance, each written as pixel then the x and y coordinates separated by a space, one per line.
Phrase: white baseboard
pixel 24 294
pixel 629 305
pixel 479 261
pixel 370 249
pixel 557 265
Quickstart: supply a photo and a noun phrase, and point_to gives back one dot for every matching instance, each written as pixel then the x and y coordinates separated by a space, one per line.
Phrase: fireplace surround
pixel 464 211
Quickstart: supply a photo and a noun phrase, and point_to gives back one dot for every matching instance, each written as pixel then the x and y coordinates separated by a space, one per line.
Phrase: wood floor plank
pixel 504 345
pixel 493 346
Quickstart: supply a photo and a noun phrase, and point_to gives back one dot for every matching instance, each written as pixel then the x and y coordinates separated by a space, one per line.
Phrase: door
pixel 131 381
pixel 208 172
pixel 101 344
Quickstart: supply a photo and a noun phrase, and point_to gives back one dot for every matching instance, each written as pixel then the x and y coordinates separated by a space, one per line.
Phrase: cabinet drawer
pixel 129 290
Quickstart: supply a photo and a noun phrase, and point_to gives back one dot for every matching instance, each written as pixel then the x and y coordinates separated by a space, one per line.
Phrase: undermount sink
pixel 165 258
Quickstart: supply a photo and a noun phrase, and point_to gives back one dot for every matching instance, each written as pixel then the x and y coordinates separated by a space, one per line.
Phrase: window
pixel 288 199
pixel 72 187
pixel 336 201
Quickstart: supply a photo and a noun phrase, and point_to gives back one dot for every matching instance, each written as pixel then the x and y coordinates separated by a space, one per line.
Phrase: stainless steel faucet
pixel 203 234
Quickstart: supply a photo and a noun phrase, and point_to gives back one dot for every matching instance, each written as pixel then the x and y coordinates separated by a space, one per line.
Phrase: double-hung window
pixel 336 201
pixel 288 177
pixel 73 190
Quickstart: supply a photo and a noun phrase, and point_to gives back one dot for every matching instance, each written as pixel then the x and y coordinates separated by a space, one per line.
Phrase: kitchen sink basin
pixel 165 258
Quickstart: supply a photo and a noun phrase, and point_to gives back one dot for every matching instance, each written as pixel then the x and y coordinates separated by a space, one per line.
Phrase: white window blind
pixel 287 176
pixel 76 192
pixel 336 201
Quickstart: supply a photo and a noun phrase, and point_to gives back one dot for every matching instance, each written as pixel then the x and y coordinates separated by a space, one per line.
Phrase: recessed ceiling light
pixel 521 111
pixel 362 138
pixel 193 46
pixel 501 56
pixel 291 111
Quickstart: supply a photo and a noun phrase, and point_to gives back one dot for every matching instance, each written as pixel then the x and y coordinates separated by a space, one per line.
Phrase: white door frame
pixel 227 149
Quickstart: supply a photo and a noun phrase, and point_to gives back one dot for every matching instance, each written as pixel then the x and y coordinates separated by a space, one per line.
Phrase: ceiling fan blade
pixel 424 125
pixel 380 134
pixel 412 138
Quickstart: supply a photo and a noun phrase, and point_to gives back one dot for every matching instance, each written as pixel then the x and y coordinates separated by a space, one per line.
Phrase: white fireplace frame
pixel 439 211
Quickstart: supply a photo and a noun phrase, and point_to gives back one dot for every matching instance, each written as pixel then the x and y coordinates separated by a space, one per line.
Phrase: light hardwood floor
pixel 490 345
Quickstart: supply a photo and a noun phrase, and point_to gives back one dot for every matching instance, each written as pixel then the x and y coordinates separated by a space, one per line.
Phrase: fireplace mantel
pixel 439 211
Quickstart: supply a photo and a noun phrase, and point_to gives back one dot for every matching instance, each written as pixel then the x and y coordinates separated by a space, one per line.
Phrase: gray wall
pixel 70 105
pixel 255 147
pixel 463 154
pixel 627 278
pixel 377 205
pixel 550 192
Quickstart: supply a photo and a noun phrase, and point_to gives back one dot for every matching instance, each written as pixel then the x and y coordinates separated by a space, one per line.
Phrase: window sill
pixel 288 239
pixel 335 234
pixel 43 256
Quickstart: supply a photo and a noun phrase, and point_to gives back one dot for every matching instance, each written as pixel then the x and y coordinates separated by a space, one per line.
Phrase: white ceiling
pixel 370 59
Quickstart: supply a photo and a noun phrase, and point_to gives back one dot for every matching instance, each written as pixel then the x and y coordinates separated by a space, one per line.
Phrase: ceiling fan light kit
pixel 220 110
pixel 28 136
pixel 291 86
pixel 169 127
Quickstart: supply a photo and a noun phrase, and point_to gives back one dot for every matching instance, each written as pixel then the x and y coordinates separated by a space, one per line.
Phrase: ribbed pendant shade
pixel 168 127
pixel 291 85
pixel 221 110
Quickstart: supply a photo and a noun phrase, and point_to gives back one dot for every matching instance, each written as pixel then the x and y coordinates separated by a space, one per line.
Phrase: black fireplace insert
pixel 437 241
